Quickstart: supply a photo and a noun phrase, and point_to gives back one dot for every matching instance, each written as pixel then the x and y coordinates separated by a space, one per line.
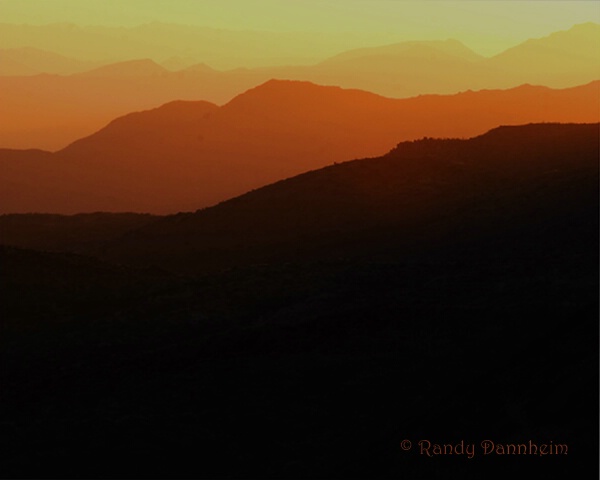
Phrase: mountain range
pixel 428 194
pixel 225 256
pixel 33 61
pixel 222 48
pixel 463 271
pixel 50 111
pixel 424 194
pixel 188 155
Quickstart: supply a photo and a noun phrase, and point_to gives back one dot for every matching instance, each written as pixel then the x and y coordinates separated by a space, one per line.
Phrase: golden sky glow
pixel 488 27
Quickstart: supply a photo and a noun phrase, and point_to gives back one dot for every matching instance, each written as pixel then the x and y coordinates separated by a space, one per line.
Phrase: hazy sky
pixel 486 26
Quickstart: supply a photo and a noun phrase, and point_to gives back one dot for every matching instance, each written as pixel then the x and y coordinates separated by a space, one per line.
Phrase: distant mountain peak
pixel 200 67
pixel 586 27
pixel 580 41
pixel 411 49
pixel 277 86
pixel 36 60
pixel 138 67
pixel 296 92
pixel 294 86
pixel 166 118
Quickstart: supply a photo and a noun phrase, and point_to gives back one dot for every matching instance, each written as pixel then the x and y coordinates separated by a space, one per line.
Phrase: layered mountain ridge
pixel 187 155
pixel 51 111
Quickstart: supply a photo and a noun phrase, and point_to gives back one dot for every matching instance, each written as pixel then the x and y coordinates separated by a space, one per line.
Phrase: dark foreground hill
pixel 446 292
pixel 47 232
pixel 480 193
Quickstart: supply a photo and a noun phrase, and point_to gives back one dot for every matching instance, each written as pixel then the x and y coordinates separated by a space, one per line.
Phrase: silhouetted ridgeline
pixel 446 291
pixel 188 155
pixel 490 190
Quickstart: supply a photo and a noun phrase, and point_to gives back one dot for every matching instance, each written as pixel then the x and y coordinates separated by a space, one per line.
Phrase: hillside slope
pixel 483 193
pixel 187 155
pixel 446 291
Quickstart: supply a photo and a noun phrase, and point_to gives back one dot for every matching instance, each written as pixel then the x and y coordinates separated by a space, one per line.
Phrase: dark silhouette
pixel 446 291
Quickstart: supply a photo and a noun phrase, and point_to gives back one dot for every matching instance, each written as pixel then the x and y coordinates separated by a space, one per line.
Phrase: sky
pixel 486 26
